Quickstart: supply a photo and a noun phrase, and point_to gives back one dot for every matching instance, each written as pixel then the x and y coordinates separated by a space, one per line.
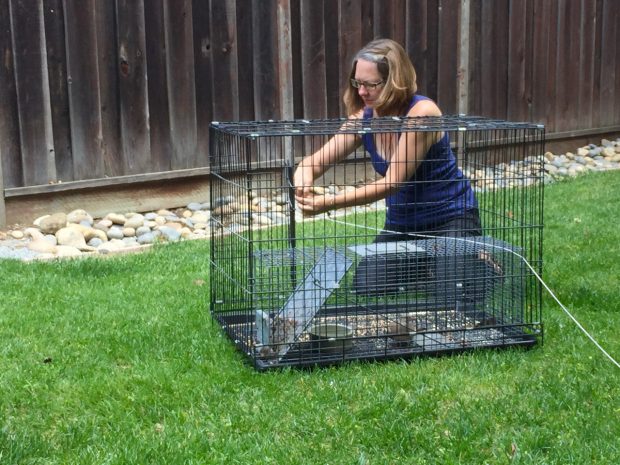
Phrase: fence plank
pixel 587 30
pixel 181 90
pixel 284 62
pixel 432 56
pixel 224 60
pixel 550 78
pixel 566 73
pixel 265 82
pixel 448 63
pixel 83 77
pixel 107 65
pixel 157 86
pixel 203 75
pixel 134 112
pixel 399 11
pixel 389 19
pixel 539 56
pixel 473 83
pixel 416 42
pixel 59 98
pixel 2 204
pixel 333 76
pixel 313 60
pixel 423 44
pixel 32 92
pixel 616 28
pixel 494 59
pixel 462 74
pixel 10 155
pixel 609 58
pixel 244 47
pixel 368 33
pixel 350 16
pixel 519 46
pixel 296 61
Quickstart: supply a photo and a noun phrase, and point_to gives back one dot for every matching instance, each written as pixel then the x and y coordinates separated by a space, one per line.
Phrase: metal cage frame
pixel 294 291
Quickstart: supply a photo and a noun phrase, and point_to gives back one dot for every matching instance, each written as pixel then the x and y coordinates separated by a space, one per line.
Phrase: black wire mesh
pixel 295 291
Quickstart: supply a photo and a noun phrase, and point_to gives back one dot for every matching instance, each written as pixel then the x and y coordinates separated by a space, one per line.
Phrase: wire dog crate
pixel 291 290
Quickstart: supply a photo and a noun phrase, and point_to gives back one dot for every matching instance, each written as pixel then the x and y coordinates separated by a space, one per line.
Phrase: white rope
pixel 579 325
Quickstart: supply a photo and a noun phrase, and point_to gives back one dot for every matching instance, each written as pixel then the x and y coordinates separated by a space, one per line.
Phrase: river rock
pixel 103 224
pixel 51 224
pixel 608 152
pixel 71 237
pixel 146 238
pixel 41 246
pixel 170 234
pixel 44 256
pixel 69 251
pixel 88 232
pixel 51 238
pixel 35 233
pixel 116 218
pixel 172 225
pixel 225 210
pixel 194 206
pixel 111 246
pixel 95 242
pixel 79 216
pixel 115 232
pixel 135 221
pixel 201 217
pixel 130 241
pixel 129 232
pixel 17 234
pixel 262 220
pixel 221 201
pixel 142 230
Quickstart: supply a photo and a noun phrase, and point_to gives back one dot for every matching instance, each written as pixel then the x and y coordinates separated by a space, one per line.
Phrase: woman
pixel 425 191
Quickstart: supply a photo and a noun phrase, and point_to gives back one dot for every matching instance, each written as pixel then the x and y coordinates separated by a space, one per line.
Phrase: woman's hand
pixel 307 200
pixel 314 204
pixel 303 180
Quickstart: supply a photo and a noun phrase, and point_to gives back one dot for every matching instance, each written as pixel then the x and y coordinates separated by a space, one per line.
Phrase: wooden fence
pixel 102 90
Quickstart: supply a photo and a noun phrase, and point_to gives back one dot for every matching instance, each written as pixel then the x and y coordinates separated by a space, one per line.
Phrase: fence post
pixel 463 59
pixel 2 207
pixel 285 71
pixel 285 58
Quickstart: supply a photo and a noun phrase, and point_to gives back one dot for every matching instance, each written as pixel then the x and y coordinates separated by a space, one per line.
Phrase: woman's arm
pixel 412 149
pixel 314 165
pixel 410 152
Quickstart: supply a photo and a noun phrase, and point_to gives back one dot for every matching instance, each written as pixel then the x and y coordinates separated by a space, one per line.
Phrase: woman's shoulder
pixel 423 106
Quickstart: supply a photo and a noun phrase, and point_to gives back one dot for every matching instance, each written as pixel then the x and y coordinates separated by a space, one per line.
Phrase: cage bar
pixel 293 290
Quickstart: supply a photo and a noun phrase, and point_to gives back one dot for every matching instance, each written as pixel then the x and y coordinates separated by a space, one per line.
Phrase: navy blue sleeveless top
pixel 437 193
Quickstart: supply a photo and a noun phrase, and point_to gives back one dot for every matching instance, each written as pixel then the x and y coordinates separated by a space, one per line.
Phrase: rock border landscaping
pixel 78 234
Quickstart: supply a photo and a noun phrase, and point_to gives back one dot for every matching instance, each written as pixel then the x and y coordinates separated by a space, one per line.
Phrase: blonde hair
pixel 396 70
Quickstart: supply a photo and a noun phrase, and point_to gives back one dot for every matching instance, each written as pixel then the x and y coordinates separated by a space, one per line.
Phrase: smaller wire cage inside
pixel 295 290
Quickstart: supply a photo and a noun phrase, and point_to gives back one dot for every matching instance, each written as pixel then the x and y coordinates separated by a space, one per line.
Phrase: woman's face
pixel 366 72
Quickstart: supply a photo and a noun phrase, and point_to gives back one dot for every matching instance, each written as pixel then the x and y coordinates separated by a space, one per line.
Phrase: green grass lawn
pixel 116 361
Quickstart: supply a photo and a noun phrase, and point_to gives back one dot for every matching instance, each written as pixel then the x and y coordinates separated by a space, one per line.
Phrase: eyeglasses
pixel 368 85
